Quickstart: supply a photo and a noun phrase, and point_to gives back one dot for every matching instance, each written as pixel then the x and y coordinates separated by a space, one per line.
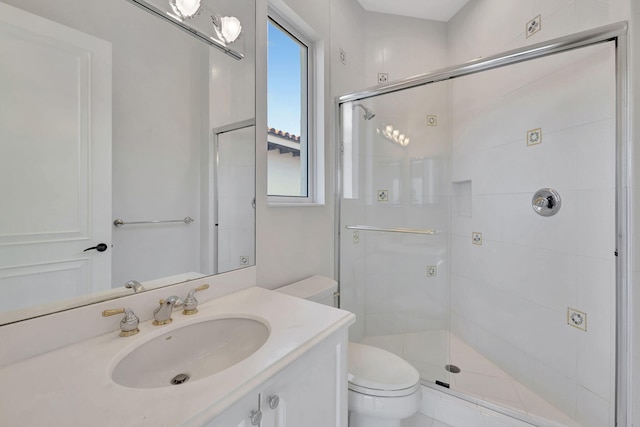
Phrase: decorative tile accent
pixel 244 260
pixel 383 78
pixel 533 26
pixel 432 271
pixel 342 56
pixel 432 120
pixel 383 196
pixel 577 319
pixel 476 238
pixel 534 136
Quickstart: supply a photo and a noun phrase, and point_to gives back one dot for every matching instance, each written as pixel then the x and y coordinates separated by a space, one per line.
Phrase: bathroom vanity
pixel 294 375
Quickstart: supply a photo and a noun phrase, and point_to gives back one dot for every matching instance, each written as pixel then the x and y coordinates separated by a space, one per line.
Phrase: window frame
pixel 309 125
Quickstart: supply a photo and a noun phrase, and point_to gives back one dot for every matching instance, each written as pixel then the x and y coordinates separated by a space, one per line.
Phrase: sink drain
pixel 452 368
pixel 179 379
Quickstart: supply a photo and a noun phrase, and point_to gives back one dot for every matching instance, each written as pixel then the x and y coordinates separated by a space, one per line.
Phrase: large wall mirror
pixel 126 150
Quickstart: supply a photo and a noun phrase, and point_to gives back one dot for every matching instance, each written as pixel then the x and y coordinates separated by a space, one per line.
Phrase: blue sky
pixel 283 83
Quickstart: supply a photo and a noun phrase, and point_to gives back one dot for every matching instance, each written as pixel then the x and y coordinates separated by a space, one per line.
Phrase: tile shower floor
pixel 479 377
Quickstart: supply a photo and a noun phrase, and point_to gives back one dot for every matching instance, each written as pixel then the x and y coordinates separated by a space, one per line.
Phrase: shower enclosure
pixel 451 258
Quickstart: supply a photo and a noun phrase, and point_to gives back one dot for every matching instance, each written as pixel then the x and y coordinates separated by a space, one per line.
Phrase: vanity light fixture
pixel 193 17
pixel 228 28
pixel 185 9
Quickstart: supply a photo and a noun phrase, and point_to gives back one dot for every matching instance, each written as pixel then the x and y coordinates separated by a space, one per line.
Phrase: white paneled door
pixel 55 161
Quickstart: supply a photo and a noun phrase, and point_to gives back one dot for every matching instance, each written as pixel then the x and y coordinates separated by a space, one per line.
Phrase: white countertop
pixel 72 386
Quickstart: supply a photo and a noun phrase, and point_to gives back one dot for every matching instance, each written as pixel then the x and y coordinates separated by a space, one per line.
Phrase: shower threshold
pixel 479 381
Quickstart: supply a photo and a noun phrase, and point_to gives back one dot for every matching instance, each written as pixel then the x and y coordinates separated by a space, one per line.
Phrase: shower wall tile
pixel 524 227
pixel 392 343
pixel 518 363
pixel 590 13
pixel 596 221
pixel 556 388
pixel 377 324
pixel 556 343
pixel 547 278
pixel 595 296
pixel 595 359
pixel 464 329
pixel 590 157
pixel 392 42
pixel 592 410
pixel 486 218
pixel 468 38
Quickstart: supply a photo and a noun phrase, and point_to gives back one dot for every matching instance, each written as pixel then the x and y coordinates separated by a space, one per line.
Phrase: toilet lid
pixel 377 369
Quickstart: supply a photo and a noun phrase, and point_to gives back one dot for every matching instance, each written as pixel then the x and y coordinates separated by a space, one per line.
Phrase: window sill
pixel 274 204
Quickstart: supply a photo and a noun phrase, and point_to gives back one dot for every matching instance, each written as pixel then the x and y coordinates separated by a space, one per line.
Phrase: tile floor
pixel 420 420
pixel 479 377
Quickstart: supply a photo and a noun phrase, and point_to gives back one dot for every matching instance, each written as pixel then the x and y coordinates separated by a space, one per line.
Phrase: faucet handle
pixel 128 324
pixel 190 302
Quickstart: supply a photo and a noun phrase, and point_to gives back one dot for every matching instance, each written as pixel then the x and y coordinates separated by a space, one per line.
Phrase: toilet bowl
pixel 383 387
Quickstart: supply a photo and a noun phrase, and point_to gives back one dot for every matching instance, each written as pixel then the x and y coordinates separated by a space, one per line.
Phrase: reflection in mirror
pixel 199 20
pixel 234 188
pixel 107 113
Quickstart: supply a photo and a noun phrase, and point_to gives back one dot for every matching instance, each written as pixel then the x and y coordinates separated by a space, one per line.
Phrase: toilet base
pixel 377 411
pixel 360 420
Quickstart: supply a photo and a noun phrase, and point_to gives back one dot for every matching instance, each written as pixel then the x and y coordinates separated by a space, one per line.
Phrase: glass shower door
pixel 394 217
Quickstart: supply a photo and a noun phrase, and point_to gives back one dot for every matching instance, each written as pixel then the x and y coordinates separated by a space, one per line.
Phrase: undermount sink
pixel 191 353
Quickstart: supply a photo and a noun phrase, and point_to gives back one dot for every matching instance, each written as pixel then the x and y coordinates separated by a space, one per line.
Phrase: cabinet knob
pixel 273 401
pixel 255 416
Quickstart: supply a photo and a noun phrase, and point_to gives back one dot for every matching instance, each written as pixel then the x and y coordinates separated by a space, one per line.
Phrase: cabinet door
pixel 308 393
pixel 238 414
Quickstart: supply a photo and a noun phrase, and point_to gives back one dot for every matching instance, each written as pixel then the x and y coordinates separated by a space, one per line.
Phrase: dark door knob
pixel 100 247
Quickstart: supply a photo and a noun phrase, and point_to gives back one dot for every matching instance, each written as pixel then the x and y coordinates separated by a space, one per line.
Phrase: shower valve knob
pixel 546 202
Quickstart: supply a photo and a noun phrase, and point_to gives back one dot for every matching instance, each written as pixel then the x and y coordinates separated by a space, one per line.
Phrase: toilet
pixel 383 388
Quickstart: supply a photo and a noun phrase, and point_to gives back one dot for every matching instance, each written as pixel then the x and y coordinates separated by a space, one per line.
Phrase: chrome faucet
pixel 135 285
pixel 162 314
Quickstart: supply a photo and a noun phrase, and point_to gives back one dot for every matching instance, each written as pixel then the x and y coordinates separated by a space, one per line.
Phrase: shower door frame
pixel 616 33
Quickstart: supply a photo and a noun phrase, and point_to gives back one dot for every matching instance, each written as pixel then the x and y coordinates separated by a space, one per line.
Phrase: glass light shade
pixel 186 8
pixel 228 28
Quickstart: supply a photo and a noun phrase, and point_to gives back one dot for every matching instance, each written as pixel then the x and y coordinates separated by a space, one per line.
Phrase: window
pixel 289 94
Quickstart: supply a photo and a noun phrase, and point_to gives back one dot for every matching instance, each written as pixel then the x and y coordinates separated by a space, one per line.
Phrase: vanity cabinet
pixel 310 392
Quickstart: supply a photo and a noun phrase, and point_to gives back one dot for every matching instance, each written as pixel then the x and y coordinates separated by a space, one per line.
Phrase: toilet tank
pixel 318 289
